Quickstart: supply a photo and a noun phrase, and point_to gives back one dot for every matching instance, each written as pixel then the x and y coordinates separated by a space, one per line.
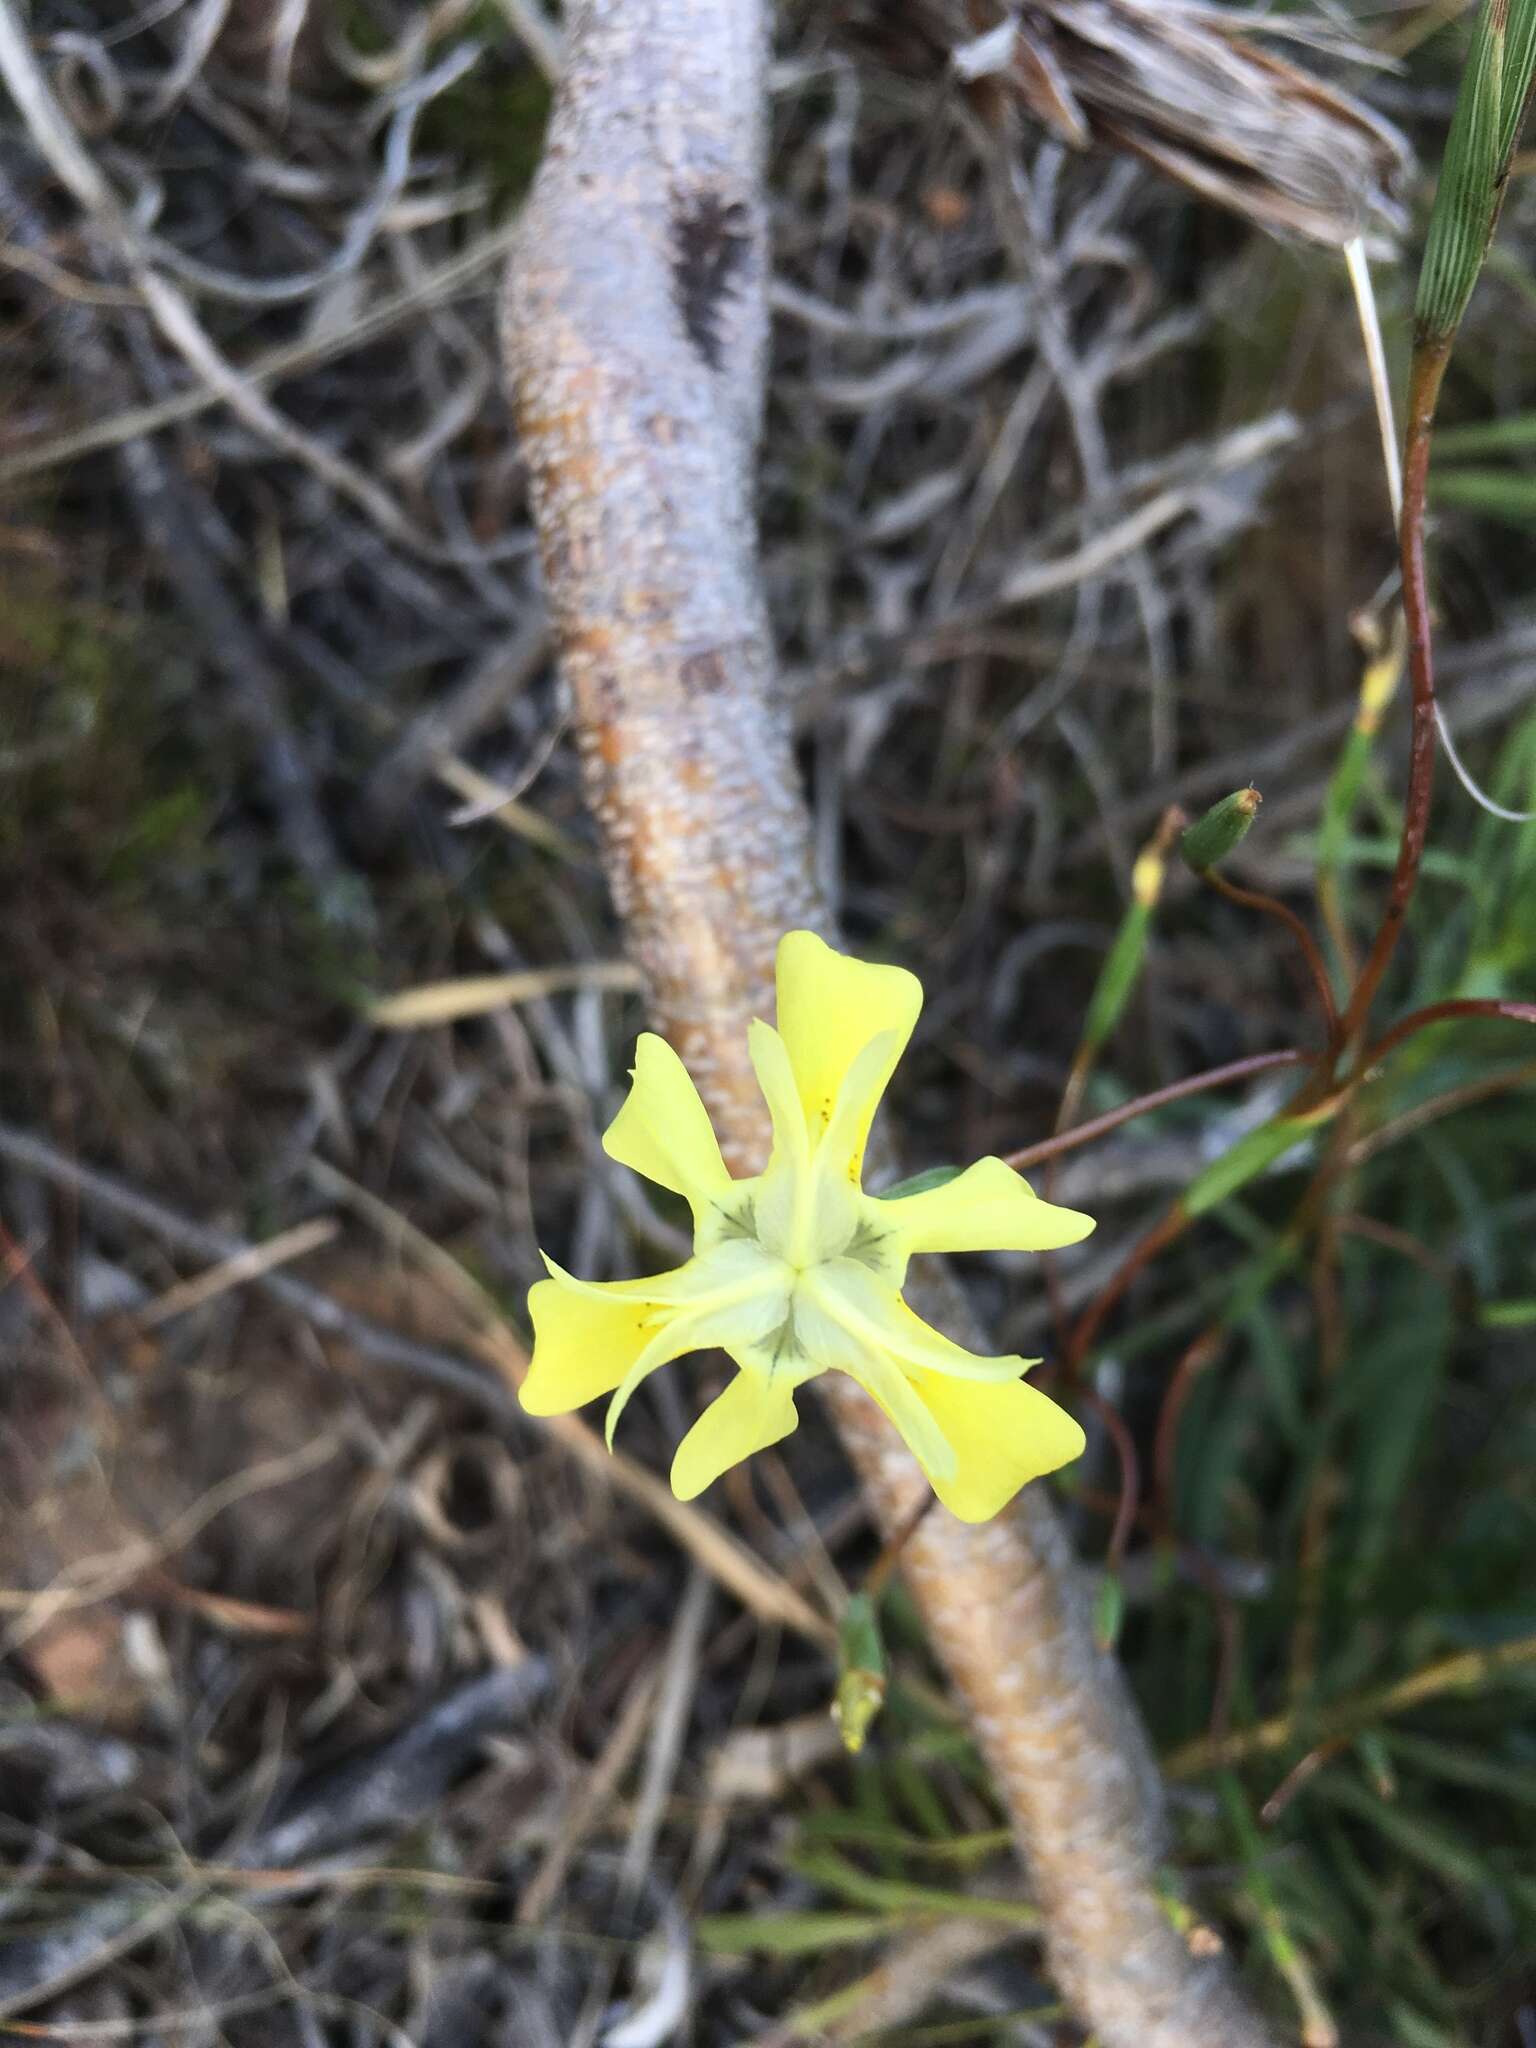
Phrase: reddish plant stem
pixel 1229 1640
pixel 1128 1505
pixel 1066 1118
pixel 1229 1625
pixel 880 1571
pixel 1427 375
pixel 1271 906
pixel 1196 1084
pixel 1314 1096
pixel 1172 1224
pixel 1297 1776
pixel 1442 1013
pixel 1402 1242
pixel 1428 372
pixel 1202 1353
pixel 1467 1096
pixel 1317 1512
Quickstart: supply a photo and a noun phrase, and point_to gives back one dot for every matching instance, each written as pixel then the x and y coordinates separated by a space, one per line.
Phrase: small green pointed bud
pixel 1225 825
pixel 1108 1611
pixel 860 1673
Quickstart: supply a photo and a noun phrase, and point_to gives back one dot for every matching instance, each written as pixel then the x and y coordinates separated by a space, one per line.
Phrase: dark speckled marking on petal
pixel 738 1224
pixel 865 1246
pixel 783 1344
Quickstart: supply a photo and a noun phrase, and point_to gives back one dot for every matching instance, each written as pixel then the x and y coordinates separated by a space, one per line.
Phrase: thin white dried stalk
pixel 634 335
pixel 477 995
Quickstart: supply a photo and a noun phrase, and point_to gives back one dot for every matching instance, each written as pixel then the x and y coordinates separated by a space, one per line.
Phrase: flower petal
pixel 892 1391
pixel 852 1307
pixel 1003 1437
pixel 584 1342
pixel 755 1410
pixel 988 1208
pixel 669 1341
pixel 830 1007
pixel 695 1280
pixel 780 1213
pixel 663 1130
pixel 841 1153
pixel 776 1078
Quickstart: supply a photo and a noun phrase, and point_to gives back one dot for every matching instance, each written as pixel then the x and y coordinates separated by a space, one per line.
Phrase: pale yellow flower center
pixel 784 1246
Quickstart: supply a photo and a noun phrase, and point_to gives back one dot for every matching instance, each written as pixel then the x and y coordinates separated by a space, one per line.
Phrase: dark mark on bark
pixel 710 246
pixel 704 672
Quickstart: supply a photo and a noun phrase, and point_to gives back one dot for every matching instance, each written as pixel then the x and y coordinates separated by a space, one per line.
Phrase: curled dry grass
pixel 336 1699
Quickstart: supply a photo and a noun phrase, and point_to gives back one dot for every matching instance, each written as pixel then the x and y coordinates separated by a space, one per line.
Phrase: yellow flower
pixel 796 1271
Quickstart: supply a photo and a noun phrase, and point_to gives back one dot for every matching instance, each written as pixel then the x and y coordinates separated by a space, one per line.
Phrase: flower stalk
pixel 1491 107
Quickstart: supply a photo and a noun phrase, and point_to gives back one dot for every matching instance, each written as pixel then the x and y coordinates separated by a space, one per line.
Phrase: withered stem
pixel 1428 373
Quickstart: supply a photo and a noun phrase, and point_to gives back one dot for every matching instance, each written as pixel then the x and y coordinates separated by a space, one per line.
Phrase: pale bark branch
pixel 634 337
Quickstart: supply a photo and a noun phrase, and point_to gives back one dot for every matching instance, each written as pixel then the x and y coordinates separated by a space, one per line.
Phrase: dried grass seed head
pixel 1182 85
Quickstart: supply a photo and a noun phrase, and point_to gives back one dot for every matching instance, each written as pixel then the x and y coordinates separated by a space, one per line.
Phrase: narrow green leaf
pixel 1118 977
pixel 1248 1158
pixel 1458 1765
pixel 1519 75
pixel 914 1790
pixel 1425 1841
pixel 1507 1315
pixel 786 1934
pixel 848 1830
pixel 1396 1378
pixel 1502 493
pixel 897 1895
pixel 1437 865
pixel 1373 1753
pixel 1505 436
pixel 1108 1611
pixel 1274 1355
pixel 1415 2029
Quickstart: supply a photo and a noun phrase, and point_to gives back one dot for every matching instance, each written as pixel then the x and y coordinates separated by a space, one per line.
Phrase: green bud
pixel 1377 1758
pixel 1108 1611
pixel 856 1706
pixel 860 1672
pixel 1225 825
